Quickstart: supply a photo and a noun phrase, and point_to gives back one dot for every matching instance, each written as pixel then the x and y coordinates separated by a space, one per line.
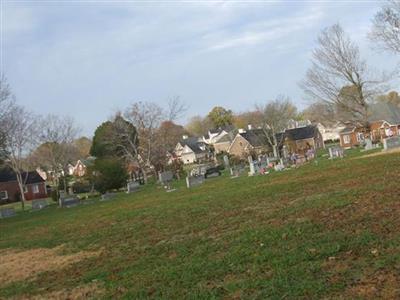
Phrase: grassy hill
pixel 326 230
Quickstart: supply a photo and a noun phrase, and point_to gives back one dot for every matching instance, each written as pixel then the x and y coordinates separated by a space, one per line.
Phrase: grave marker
pixel 132 186
pixel 192 181
pixel 166 179
pixel 107 196
pixel 7 212
pixel 391 143
pixel 69 202
pixel 39 204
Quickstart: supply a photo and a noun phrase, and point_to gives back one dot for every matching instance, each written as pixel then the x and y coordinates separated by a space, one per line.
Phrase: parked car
pixel 212 172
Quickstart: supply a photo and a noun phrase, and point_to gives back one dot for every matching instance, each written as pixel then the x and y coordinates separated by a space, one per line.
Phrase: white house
pixel 191 150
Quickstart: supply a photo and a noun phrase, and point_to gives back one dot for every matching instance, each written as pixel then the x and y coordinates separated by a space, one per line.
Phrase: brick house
pixel 353 136
pixel 35 186
pixel 299 140
pixel 247 141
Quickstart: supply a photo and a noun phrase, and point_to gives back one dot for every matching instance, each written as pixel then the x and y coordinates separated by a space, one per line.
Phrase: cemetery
pixel 269 205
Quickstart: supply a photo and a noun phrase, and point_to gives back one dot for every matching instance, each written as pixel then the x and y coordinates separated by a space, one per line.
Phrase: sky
pixel 89 59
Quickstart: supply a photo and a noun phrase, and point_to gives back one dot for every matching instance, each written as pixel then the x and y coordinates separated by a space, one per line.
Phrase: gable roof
pixel 301 133
pixel 6 175
pixel 193 143
pixel 348 129
pixel 255 137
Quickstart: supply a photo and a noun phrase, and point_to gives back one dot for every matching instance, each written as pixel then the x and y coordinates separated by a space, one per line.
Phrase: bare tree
pixel 176 108
pixel 57 149
pixel 20 129
pixel 275 117
pixel 146 117
pixel 126 141
pixel 338 75
pixel 386 27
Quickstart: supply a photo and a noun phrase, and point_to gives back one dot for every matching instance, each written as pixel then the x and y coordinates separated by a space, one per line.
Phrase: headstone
pixel 132 186
pixel 166 179
pixel 7 212
pixel 368 144
pixel 285 151
pixel 279 167
pixel 226 161
pixel 236 171
pixel 39 204
pixel 69 202
pixel 192 181
pixel 107 196
pixel 251 163
pixel 391 143
pixel 336 152
pixel 61 198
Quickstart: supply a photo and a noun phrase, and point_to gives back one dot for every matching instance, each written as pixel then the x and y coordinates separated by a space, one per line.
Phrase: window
pixel 360 136
pixel 35 189
pixel 346 139
pixel 3 195
pixel 25 189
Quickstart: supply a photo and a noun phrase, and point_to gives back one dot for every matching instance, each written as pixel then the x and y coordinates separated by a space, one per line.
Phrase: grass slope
pixel 326 230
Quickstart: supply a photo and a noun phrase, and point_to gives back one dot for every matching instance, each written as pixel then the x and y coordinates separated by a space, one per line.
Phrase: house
pixel 331 132
pixel 220 138
pixel 383 129
pixel 191 150
pixel 353 136
pixel 299 140
pixel 82 165
pixel 249 141
pixel 296 140
pixel 35 186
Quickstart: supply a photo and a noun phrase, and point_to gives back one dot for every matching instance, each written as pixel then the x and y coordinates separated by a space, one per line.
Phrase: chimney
pixel 241 130
pixel 184 137
pixel 249 126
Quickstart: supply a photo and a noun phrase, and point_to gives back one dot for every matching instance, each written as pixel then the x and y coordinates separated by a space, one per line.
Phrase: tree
pixel 275 117
pixel 103 143
pixel 57 149
pixel 220 116
pixel 167 136
pixel 146 117
pixel 83 145
pixel 242 120
pixel 319 112
pixel 110 173
pixel 7 104
pixel 386 27
pixel 338 76
pixel 198 126
pixel 176 108
pixel 392 97
pixel 20 132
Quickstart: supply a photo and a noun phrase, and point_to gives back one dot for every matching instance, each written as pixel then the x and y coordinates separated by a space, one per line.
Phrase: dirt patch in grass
pixel 382 285
pixel 88 291
pixel 27 264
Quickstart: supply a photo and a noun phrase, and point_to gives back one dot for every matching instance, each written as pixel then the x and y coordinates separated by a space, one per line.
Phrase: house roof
pixel 301 133
pixel 193 143
pixel 89 161
pixel 218 130
pixel 255 137
pixel 389 112
pixel 6 175
pixel 348 129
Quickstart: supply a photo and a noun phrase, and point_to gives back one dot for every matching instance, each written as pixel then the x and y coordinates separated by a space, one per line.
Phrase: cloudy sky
pixel 90 58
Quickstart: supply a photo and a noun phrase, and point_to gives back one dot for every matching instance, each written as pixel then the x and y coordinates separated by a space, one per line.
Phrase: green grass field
pixel 328 230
